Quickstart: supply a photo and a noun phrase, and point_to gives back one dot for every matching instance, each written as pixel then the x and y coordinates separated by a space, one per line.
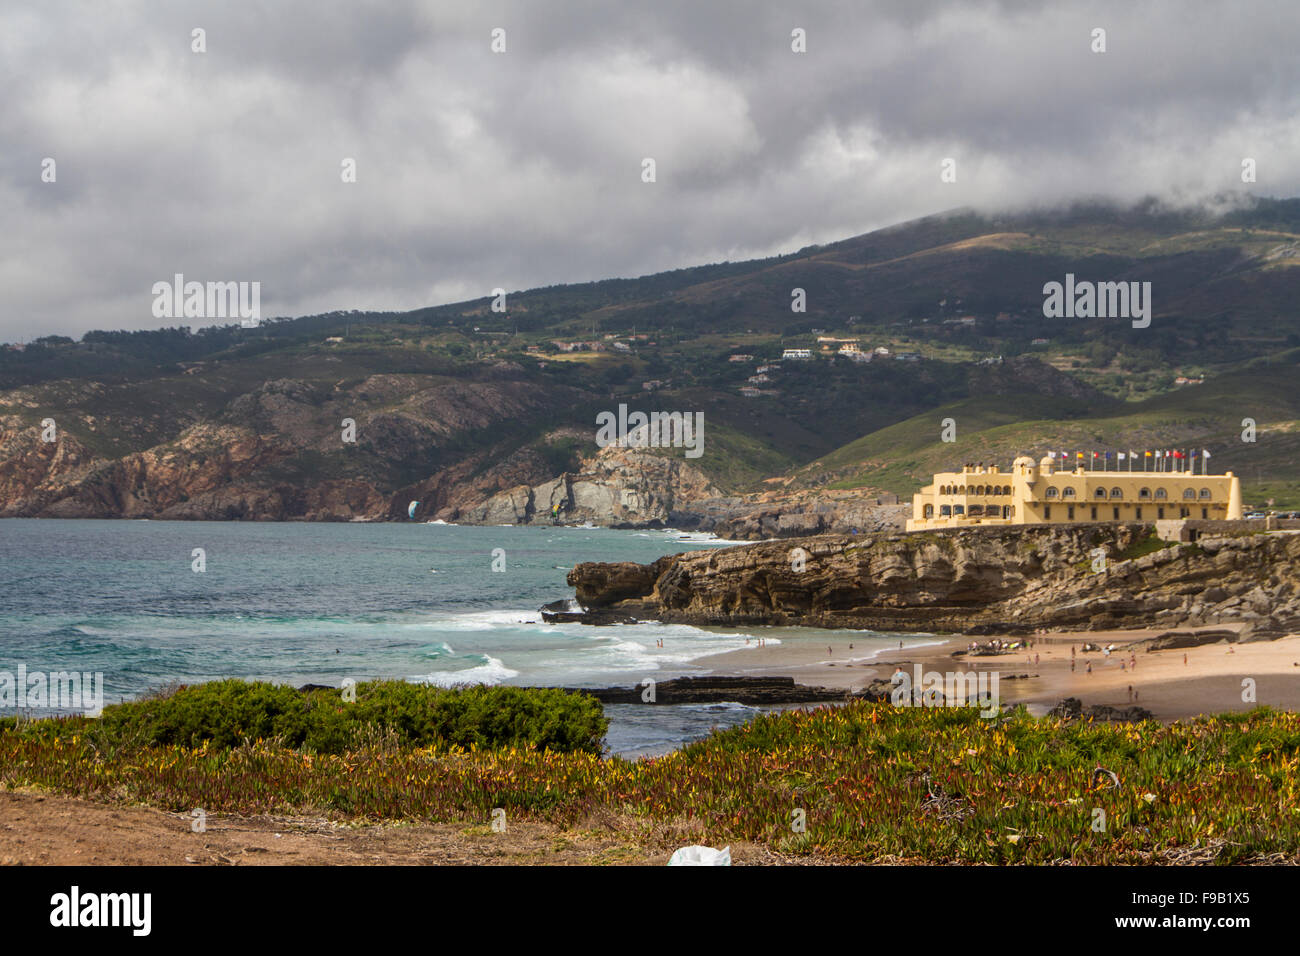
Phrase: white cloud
pixel 521 169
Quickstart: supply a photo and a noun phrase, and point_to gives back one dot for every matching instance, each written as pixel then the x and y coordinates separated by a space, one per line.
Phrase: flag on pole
pixel 1205 461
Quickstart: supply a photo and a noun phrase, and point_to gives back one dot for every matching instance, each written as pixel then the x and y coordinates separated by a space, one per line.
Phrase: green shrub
pixel 226 713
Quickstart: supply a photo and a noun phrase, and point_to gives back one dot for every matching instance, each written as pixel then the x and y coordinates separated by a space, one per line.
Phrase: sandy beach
pixel 1172 683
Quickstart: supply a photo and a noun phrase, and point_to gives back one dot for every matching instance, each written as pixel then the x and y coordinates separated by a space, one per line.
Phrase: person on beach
pixel 1184 658
pixel 1071 650
pixel 1089 667
pixel 1071 665
pixel 1130 693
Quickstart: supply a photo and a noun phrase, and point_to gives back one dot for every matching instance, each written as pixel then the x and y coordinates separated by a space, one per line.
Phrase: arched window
pixel 1161 494
pixel 1117 492
pixel 1144 494
pixel 1205 493
pixel 1068 493
pixel 979 489
pixel 1052 493
pixel 1189 492
pixel 1100 493
pixel 929 511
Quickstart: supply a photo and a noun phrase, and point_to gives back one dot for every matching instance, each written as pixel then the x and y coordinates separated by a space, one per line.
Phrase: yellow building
pixel 1044 493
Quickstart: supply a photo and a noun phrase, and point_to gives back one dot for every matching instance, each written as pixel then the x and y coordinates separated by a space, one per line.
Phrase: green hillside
pixel 901 458
pixel 458 390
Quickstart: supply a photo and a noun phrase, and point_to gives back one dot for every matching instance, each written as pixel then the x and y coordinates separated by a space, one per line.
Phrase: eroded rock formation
pixel 965 581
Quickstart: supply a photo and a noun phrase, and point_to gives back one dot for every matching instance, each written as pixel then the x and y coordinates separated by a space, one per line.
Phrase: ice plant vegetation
pixel 875 782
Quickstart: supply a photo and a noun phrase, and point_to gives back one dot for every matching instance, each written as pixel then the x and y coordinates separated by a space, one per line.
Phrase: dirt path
pixel 39 828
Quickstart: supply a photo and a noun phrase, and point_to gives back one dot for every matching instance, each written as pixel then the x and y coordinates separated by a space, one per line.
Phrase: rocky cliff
pixel 617 487
pixel 971 581
pixel 277 452
pixel 634 488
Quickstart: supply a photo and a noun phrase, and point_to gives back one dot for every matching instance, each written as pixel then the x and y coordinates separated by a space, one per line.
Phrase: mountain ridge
pixel 454 405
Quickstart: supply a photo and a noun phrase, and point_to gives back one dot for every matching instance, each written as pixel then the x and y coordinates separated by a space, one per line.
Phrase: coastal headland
pixel 1109 614
pixel 972 581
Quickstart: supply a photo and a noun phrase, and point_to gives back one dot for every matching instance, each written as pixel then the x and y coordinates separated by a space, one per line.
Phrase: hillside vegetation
pixel 456 403
pixel 874 782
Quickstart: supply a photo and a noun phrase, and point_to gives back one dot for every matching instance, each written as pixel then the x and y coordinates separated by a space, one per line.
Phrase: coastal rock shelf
pixel 977 581
pixel 755 691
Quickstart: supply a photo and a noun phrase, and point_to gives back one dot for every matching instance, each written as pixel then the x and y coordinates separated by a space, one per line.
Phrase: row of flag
pixel 1171 460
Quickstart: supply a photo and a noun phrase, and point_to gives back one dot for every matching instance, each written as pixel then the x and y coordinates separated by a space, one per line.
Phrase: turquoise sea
pixel 316 603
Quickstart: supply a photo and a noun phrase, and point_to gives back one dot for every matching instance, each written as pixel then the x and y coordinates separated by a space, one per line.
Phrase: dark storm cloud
pixel 479 170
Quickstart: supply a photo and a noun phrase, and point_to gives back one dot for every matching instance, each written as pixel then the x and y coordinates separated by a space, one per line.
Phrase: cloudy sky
pixel 478 169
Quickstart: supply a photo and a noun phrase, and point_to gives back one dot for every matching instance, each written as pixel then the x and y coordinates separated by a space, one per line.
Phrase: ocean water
pixel 304 603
